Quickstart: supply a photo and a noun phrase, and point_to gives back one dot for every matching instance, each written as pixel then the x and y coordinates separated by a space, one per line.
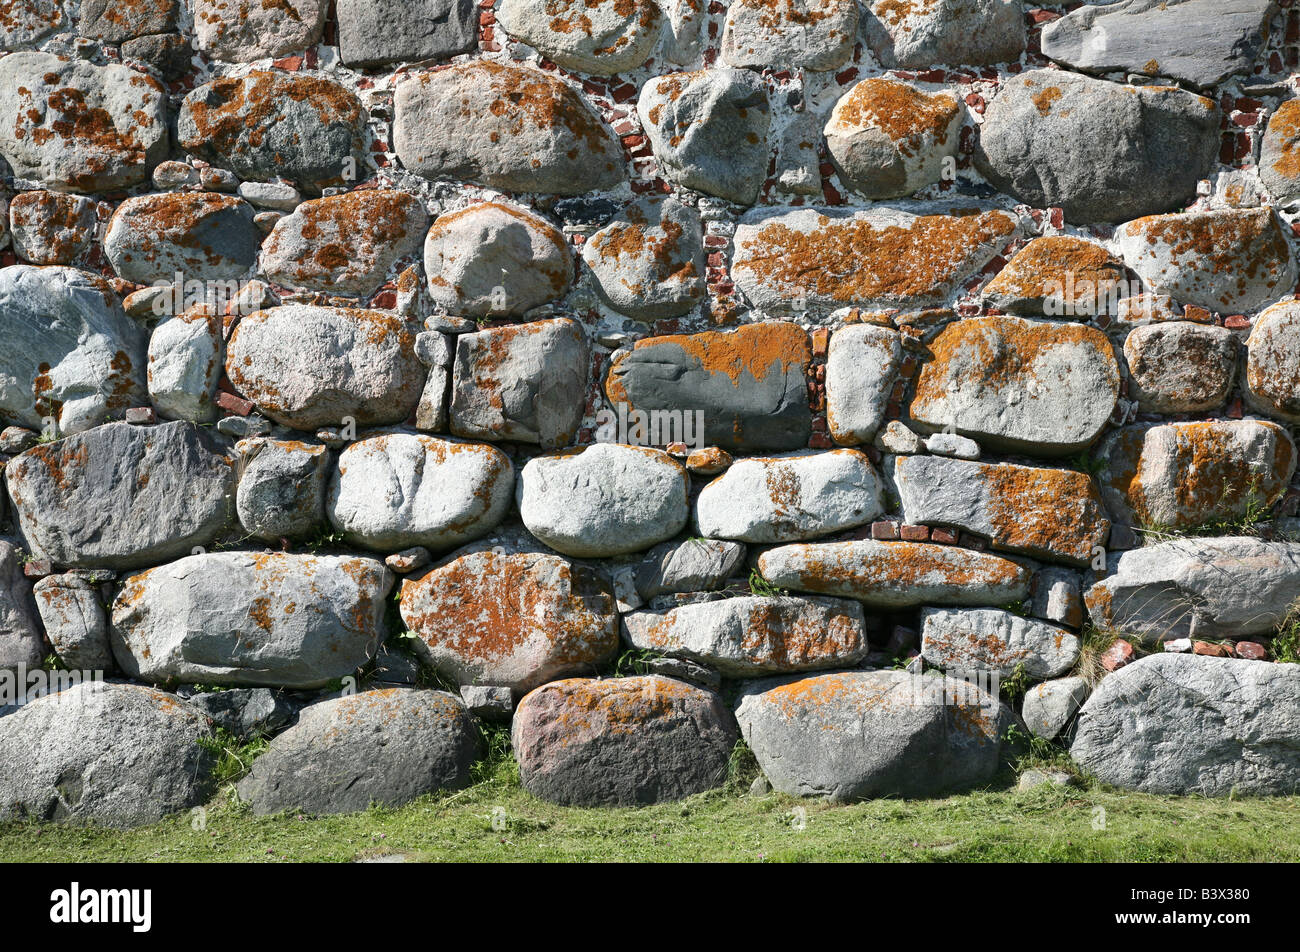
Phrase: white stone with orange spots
pixel 1273 362
pixel 600 37
pixel 922 33
pixel 241 31
pixel 862 365
pixel 792 34
pixel 992 639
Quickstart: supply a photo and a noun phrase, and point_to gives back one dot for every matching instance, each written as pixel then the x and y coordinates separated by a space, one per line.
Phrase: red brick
pixel 944 536
pixel 914 533
pixel 1236 322
pixel 1209 649
pixel 884 530
pixel 1117 655
pixel 236 405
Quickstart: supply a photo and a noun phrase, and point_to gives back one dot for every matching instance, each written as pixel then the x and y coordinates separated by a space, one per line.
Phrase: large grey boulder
pixel 648 263
pixel 512 618
pixel 385 747
pixel 603 500
pixel 268 124
pixel 621 741
pixel 1273 362
pixel 748 387
pixel 396 490
pixel 1230 260
pixel 696 565
pixel 495 260
pixel 1198 588
pixel 72 613
pixel 71 355
pixel 709 130
pixel 307 366
pixel 789 498
pixel 508 127
pixel 344 244
pixel 1201 42
pixel 944 32
pixel 250 618
pixel 885 256
pixel 1188 724
pixel 1189 475
pixel 749 636
pixel 282 490
pixel 378 32
pixel 1101 151
pixel 20 635
pixel 524 382
pixel 862 363
pixel 858 734
pixel 74 126
pixel 97 754
pixel 991 639
pixel 252 31
pixel 803 34
pixel 600 37
pixel 200 236
pixel 1052 514
pixel 896 574
pixel 122 496
pixel 1039 387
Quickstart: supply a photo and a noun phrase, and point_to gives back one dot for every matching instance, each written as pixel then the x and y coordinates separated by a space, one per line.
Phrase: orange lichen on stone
pixel 1080 273
pixel 902 112
pixel 253 104
pixel 1045 511
pixel 1285 125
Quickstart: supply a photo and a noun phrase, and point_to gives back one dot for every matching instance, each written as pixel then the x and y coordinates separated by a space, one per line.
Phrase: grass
pixel 497 821
pixel 1244 512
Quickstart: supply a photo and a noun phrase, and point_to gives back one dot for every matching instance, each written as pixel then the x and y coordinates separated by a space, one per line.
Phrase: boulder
pixel 20 635
pixel 1199 42
pixel 71 355
pixel 269 124
pixel 508 127
pixel 396 490
pixel 244 32
pixel 696 565
pixel 344 244
pixel 379 32
pixel 1051 514
pixel 1049 706
pixel 601 37
pixel 1058 276
pixel 888 139
pixel 72 613
pixel 250 618
pixel 199 236
pixel 621 741
pixel 603 500
pixel 384 747
pixel 51 227
pixel 513 618
pixel 495 260
pixel 1180 367
pixel 862 364
pixel 1212 589
pixel 648 263
pixel 307 366
pixel 896 574
pixel 111 755
pixel 709 131
pixel 991 639
pixel 1279 153
pixel 748 386
pixel 944 32
pixel 790 498
pixel 1187 475
pixel 855 735
pixel 74 126
pixel 27 22
pixel 802 34
pixel 122 496
pixel 1273 362
pixel 1186 724
pixel 886 256
pixel 1053 138
pixel 282 490
pixel 525 382
pixel 1037 387
pixel 749 636
pixel 186 354
pixel 1230 260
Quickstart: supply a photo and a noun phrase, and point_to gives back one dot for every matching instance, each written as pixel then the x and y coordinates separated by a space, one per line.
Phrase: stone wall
pixel 879 382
